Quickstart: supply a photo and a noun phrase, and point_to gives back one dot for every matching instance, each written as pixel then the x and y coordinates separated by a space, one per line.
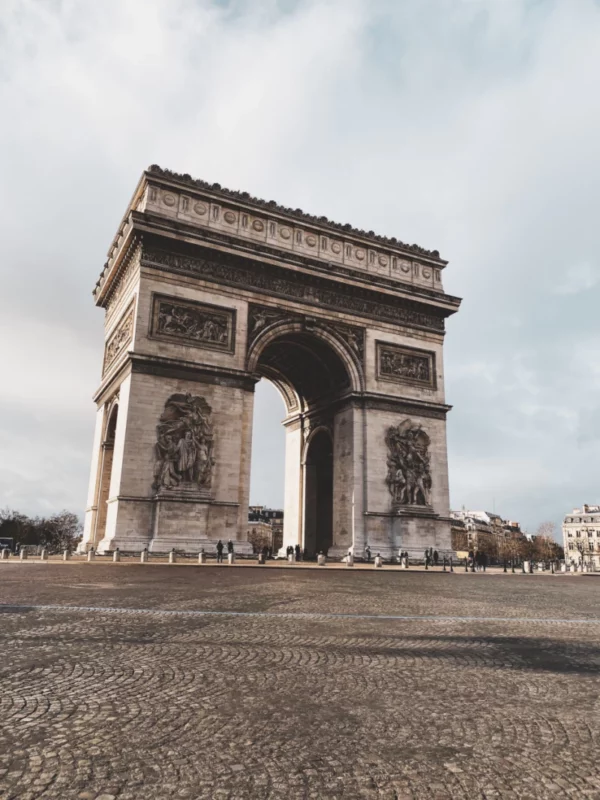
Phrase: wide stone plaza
pixel 131 682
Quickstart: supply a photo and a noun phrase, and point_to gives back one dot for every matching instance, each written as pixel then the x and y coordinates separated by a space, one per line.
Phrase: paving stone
pixel 145 703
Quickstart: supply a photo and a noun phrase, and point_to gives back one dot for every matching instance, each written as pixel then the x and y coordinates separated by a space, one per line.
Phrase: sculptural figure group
pixel 184 447
pixel 409 473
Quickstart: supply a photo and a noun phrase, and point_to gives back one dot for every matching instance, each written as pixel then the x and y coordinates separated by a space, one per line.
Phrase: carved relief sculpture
pixel 409 472
pixel 405 365
pixel 195 323
pixel 119 339
pixel 350 299
pixel 184 445
pixel 260 317
pixel 354 338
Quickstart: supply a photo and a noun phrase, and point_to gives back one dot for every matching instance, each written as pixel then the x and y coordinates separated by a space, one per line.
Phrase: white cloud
pixel 579 278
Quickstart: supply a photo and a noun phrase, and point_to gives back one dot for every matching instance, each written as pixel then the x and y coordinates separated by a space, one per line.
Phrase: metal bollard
pixel 23 555
pixel 44 554
pixel 172 558
pixel 202 557
pixel 66 555
pixel 378 561
pixel 116 555
pixel 91 554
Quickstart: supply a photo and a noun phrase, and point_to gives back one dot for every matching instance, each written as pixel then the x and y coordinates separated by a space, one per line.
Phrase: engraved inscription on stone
pixel 188 322
pixel 409 471
pixel 184 445
pixel 119 339
pixel 405 365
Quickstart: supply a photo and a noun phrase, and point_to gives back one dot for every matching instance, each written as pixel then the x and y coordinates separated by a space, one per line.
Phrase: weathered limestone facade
pixel 206 291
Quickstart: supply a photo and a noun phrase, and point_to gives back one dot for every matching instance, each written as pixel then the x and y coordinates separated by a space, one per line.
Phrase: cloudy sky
pixel 471 126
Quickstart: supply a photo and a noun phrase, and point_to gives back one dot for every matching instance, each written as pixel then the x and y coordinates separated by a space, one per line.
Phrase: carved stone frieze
pixel 189 322
pixel 297 213
pixel 184 445
pixel 406 365
pixel 308 289
pixel 119 338
pixel 130 262
pixel 409 471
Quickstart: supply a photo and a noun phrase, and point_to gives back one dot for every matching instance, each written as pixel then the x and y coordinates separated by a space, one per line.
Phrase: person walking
pixel 368 554
pixel 230 547
pixel 219 552
pixel 435 557
pixel 298 553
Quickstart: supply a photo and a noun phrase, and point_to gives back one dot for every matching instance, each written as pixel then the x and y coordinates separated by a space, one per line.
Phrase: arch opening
pixel 310 374
pixel 305 364
pixel 106 456
pixel 318 494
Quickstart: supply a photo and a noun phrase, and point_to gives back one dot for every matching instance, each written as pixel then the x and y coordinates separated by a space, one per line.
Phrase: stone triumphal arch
pixel 207 290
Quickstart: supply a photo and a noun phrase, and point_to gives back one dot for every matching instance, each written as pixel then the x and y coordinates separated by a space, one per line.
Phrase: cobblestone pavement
pixel 142 703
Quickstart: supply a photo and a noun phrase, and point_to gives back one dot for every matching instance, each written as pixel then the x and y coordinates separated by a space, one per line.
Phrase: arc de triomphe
pixel 207 290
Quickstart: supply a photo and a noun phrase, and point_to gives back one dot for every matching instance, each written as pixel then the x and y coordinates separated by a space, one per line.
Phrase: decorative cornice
pixel 279 282
pixel 397 405
pixel 180 369
pixel 298 214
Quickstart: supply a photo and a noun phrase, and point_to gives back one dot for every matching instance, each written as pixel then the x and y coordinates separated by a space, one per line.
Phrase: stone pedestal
pixel 66 555
pixel 230 558
pixel 23 555
pixel 172 557
pixel 378 562
pixel 116 556
pixel 44 555
pixel 91 555
pixel 202 558
pixel 4 554
pixel 144 556
pixel 349 560
pixel 321 560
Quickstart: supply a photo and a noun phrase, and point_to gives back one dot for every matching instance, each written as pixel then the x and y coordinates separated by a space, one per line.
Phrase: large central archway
pixel 313 370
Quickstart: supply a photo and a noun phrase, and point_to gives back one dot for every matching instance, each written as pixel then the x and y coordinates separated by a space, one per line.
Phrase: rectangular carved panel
pixel 119 338
pixel 406 365
pixel 192 323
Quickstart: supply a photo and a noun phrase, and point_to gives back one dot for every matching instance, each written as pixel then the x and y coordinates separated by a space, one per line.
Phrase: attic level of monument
pixel 234 219
pixel 207 291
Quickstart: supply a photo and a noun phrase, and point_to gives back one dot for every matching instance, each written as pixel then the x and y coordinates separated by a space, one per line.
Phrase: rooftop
pixel 295 213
